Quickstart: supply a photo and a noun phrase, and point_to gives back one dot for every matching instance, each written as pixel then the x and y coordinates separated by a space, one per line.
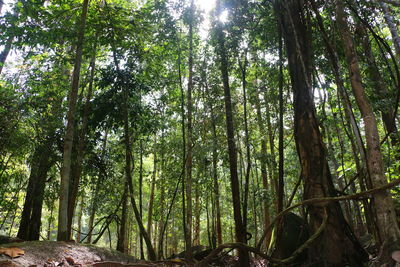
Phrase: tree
pixel 389 232
pixel 240 231
pixel 69 133
pixel 336 245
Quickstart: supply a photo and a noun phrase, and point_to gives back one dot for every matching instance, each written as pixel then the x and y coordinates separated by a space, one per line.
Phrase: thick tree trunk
pixel 386 217
pixel 29 228
pixel 62 234
pixel 336 246
pixel 240 232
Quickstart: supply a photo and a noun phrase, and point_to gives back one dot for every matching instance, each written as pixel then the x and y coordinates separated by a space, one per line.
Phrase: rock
pixel 295 232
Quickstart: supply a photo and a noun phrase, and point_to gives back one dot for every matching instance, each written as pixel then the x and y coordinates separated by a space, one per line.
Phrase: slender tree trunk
pixel 281 185
pixel 184 159
pixel 141 197
pixel 392 27
pixel 386 216
pixel 243 68
pixel 263 163
pixel 6 51
pixel 272 161
pixel 121 242
pixel 78 234
pixel 62 234
pixel 99 181
pixel 50 221
pixel 162 205
pixel 152 190
pixel 240 231
pixel 378 84
pixel 189 144
pixel 357 144
pixel 76 170
pixel 197 208
pixel 336 246
pixel 218 226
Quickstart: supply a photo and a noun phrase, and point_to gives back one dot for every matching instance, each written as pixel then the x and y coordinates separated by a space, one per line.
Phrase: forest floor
pixel 53 254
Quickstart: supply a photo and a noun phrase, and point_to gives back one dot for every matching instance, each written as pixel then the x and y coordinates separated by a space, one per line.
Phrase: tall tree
pixel 240 231
pixel 389 233
pixel 337 245
pixel 189 144
pixel 62 234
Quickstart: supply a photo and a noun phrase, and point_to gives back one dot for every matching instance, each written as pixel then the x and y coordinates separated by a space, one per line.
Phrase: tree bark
pixel 386 217
pixel 337 245
pixel 62 234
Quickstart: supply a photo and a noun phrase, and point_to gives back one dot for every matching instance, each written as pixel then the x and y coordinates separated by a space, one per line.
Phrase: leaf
pixel 13 252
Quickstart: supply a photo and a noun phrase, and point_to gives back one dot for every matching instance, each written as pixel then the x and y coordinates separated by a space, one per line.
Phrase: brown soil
pixel 50 253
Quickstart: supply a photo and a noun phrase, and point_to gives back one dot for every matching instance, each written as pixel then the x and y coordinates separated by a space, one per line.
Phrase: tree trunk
pixel 336 246
pixel 99 181
pixel 392 27
pixel 386 217
pixel 263 163
pixel 62 234
pixel 29 228
pixel 141 196
pixel 5 52
pixel 357 144
pixel 122 242
pixel 78 233
pixel 243 68
pixel 76 169
pixel 218 227
pixel 152 190
pixel 240 232
pixel 379 86
pixel 189 144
